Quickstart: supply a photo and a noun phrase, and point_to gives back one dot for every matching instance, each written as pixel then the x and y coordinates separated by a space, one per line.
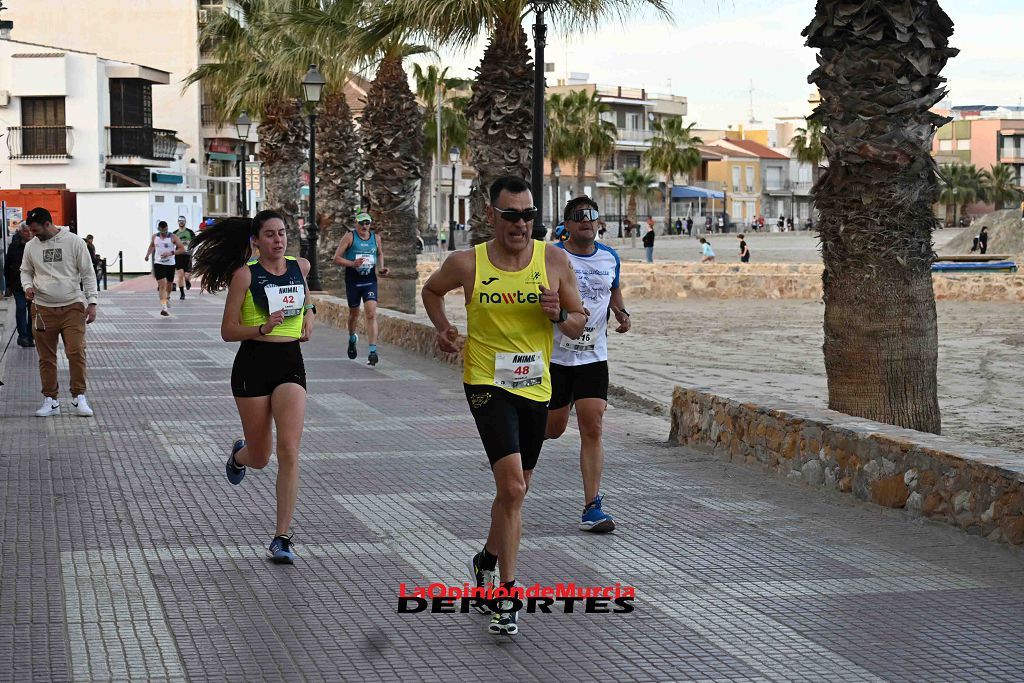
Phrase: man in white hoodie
pixel 54 270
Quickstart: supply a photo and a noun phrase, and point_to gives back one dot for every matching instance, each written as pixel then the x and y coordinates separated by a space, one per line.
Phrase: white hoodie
pixel 57 269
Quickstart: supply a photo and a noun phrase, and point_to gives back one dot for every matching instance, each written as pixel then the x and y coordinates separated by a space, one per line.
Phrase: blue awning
pixel 172 178
pixel 690 192
pixel 223 156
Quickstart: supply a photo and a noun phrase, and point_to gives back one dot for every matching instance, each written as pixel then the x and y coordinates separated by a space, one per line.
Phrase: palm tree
pixel 673 152
pixel 576 131
pixel 500 111
pixel 391 127
pixel 1000 186
pixel 807 147
pixel 970 187
pixel 246 49
pixel 878 76
pixel 635 183
pixel 949 187
pixel 433 84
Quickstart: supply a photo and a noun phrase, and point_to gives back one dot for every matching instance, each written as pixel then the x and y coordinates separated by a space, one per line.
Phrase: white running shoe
pixel 51 406
pixel 81 406
pixel 164 310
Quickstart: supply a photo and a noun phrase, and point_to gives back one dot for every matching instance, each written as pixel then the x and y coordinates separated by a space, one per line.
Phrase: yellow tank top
pixel 268 291
pixel 508 342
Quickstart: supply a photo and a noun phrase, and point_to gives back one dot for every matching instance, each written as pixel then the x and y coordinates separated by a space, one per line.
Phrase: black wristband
pixel 623 310
pixel 260 329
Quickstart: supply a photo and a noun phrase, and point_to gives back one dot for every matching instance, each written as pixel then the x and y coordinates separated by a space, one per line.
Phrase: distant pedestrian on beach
pixel 649 243
pixel 983 239
pixel 721 222
pixel 689 226
pixel 679 226
pixel 707 223
pixel 706 253
pixel 744 250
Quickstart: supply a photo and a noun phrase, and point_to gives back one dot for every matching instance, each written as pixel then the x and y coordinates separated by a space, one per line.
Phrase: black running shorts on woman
pixel 260 367
pixel 507 423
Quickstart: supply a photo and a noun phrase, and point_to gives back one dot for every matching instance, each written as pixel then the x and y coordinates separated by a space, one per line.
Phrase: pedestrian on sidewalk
pixel 183 261
pixel 706 254
pixel 12 272
pixel 517 290
pixel 689 226
pixel 94 257
pixel 55 269
pixel 983 239
pixel 679 226
pixel 579 367
pixel 744 250
pixel 649 244
pixel 268 310
pixel 361 253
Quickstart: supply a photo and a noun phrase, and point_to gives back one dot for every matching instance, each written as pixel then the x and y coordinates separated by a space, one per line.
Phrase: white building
pixel 165 35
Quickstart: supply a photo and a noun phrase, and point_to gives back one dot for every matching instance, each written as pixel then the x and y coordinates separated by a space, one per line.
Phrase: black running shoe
pixel 373 358
pixel 352 339
pixel 482 578
pixel 505 622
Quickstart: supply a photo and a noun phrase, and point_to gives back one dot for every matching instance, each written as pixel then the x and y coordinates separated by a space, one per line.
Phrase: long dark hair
pixel 224 247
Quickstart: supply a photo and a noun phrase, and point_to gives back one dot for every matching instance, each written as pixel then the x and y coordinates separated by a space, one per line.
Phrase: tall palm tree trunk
pixel 500 115
pixel 393 144
pixel 581 176
pixel 337 165
pixel 283 134
pixel 878 77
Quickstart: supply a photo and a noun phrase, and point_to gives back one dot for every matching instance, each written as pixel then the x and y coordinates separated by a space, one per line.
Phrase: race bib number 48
pixel 585 342
pixel 518 370
pixel 290 298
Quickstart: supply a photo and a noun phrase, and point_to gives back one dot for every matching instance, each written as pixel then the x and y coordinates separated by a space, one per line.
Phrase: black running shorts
pixel 183 262
pixel 260 367
pixel 161 272
pixel 572 382
pixel 508 423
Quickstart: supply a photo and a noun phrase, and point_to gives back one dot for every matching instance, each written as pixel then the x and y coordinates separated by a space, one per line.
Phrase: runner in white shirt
pixel 164 247
pixel 579 367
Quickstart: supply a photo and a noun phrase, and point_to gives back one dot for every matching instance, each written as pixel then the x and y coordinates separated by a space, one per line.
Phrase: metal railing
pixel 208 115
pixel 141 141
pixel 631 135
pixel 40 142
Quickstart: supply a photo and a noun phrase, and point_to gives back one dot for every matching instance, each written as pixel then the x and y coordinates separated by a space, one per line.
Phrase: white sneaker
pixel 51 406
pixel 81 406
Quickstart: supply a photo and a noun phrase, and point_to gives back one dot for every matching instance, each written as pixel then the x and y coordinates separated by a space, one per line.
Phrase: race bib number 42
pixel 290 298
pixel 518 370
pixel 585 342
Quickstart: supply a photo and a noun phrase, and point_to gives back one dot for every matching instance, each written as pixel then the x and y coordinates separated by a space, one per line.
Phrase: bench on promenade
pixel 974 263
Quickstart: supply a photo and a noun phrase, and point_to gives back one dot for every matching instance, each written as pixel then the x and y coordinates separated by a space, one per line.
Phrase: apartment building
pixel 165 36
pixel 982 135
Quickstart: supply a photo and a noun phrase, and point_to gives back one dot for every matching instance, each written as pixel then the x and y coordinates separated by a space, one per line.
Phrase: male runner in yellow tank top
pixel 516 289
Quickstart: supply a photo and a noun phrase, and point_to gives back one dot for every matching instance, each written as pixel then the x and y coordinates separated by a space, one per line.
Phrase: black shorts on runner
pixel 260 367
pixel 161 272
pixel 507 423
pixel 358 291
pixel 183 262
pixel 572 382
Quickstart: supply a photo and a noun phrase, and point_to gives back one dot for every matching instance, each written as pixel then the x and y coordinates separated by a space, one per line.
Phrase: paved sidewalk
pixel 126 554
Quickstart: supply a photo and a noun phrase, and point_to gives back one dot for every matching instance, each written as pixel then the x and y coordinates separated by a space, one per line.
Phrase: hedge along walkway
pixel 127 554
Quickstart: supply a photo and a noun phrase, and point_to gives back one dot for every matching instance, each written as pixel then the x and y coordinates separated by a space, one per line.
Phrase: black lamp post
pixel 540 30
pixel 620 212
pixel 242 126
pixel 557 199
pixel 453 156
pixel 312 87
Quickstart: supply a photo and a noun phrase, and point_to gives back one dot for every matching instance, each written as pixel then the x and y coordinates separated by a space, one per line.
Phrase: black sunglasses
pixel 588 214
pixel 364 222
pixel 514 216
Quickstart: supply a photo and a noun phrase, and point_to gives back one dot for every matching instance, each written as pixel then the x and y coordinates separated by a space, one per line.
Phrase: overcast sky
pixel 718 49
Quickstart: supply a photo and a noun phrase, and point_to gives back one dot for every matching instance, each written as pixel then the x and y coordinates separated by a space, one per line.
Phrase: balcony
pixel 208 115
pixel 631 136
pixel 1011 156
pixel 139 144
pixel 40 142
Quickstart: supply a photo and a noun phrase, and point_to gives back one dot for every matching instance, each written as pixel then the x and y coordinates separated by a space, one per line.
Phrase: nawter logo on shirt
pixel 55 255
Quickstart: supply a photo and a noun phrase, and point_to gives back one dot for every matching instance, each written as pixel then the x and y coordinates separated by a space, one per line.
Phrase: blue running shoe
pixel 352 339
pixel 280 550
pixel 234 471
pixel 595 519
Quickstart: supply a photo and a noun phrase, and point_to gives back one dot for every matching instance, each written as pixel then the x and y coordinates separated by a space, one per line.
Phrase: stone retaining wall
pixel 978 489
pixel 779 281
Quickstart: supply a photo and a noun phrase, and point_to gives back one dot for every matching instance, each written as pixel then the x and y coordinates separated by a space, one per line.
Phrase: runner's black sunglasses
pixel 580 215
pixel 514 216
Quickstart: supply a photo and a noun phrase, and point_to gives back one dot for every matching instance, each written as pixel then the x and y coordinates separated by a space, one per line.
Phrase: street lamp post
pixel 556 199
pixel 453 156
pixel 620 212
pixel 540 30
pixel 242 126
pixel 312 88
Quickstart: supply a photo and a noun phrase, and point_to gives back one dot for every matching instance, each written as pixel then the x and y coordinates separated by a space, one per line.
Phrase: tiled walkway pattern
pixel 127 556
